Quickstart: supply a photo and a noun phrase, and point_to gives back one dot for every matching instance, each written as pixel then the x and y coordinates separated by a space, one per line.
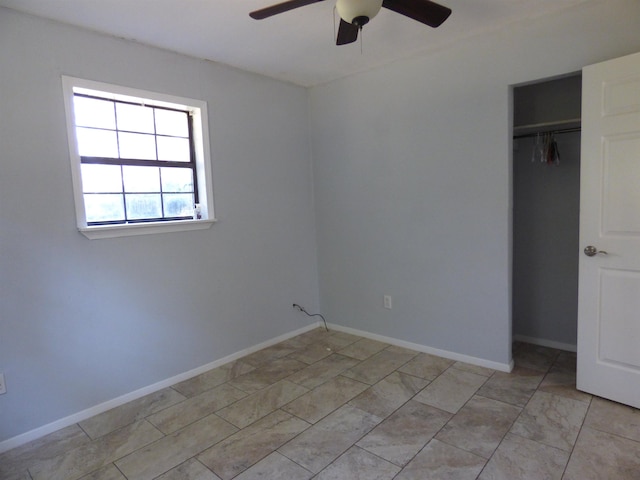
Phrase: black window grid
pixel 191 164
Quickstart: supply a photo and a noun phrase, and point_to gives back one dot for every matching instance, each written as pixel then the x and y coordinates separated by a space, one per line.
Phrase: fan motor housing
pixel 360 21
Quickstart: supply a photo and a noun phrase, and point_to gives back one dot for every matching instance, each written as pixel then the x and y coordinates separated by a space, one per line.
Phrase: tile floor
pixel 329 405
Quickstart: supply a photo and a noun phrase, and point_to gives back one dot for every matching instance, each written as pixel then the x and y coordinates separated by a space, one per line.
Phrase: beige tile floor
pixel 329 405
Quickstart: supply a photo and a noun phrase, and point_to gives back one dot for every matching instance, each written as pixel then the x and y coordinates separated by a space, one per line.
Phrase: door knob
pixel 590 251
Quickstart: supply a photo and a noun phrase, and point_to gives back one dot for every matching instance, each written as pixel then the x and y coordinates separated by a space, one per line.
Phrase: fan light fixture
pixel 358 12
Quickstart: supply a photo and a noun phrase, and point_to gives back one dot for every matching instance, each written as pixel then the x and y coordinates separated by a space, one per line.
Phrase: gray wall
pixel 546 218
pixel 82 321
pixel 413 186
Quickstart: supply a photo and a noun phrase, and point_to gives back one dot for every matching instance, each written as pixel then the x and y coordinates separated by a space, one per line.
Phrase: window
pixel 140 160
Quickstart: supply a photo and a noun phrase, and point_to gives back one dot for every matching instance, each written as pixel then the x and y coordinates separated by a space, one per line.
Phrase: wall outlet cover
pixel 387 302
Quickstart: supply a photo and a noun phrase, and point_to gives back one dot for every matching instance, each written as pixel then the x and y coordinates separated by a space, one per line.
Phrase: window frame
pixel 201 151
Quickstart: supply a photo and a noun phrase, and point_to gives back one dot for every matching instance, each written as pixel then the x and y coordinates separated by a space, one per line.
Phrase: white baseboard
pixel 116 402
pixel 569 347
pixel 481 362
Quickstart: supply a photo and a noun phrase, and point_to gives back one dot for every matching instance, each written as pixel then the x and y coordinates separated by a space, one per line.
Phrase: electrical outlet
pixel 3 386
pixel 387 302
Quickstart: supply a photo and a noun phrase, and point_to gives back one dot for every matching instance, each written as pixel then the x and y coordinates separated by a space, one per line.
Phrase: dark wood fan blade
pixel 347 33
pixel 280 8
pixel 424 11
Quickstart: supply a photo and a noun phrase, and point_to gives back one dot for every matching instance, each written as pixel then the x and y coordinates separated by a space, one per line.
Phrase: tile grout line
pixel 410 399
pixel 346 403
pixel 564 470
pixel 293 415
pixel 487 460
pixel 547 371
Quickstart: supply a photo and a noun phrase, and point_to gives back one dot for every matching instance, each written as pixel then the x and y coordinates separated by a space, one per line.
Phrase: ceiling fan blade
pixel 424 11
pixel 280 8
pixel 347 33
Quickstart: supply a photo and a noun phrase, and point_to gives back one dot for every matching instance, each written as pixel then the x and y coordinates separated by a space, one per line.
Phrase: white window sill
pixel 112 231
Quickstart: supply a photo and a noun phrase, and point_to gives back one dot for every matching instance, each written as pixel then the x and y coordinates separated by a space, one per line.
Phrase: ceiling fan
pixel 354 14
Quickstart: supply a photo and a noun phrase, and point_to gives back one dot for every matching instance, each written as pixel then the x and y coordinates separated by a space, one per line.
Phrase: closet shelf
pixel 570 125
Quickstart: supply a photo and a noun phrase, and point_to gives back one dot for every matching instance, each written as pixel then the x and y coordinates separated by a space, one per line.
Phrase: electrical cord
pixel 298 307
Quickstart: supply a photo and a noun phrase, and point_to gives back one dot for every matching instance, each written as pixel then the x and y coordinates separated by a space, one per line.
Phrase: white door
pixel 609 281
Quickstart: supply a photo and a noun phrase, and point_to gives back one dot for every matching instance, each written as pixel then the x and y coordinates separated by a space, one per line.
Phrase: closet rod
pixel 553 132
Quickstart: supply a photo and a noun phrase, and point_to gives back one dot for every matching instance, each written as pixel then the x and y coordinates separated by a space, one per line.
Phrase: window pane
pixel 141 179
pixel 171 148
pixel 134 118
pixel 103 207
pixel 177 179
pixel 140 206
pixel 90 112
pixel 178 204
pixel 96 143
pixel 171 123
pixel 136 145
pixel 101 178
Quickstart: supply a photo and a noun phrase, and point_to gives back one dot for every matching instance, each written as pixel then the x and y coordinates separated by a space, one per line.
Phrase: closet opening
pixel 546 210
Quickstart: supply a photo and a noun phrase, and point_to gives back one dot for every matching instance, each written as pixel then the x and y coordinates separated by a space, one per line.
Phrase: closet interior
pixel 546 203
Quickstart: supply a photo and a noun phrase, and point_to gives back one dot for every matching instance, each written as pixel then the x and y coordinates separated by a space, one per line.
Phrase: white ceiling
pixel 297 46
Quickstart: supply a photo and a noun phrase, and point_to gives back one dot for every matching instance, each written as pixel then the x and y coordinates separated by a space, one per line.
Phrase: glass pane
pixel 134 118
pixel 171 123
pixel 175 149
pixel 177 179
pixel 101 178
pixel 97 143
pixel 178 204
pixel 143 206
pixel 141 179
pixel 103 207
pixel 90 112
pixel 137 145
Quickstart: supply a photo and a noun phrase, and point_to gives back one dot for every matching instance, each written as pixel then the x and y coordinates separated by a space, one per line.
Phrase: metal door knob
pixel 591 251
